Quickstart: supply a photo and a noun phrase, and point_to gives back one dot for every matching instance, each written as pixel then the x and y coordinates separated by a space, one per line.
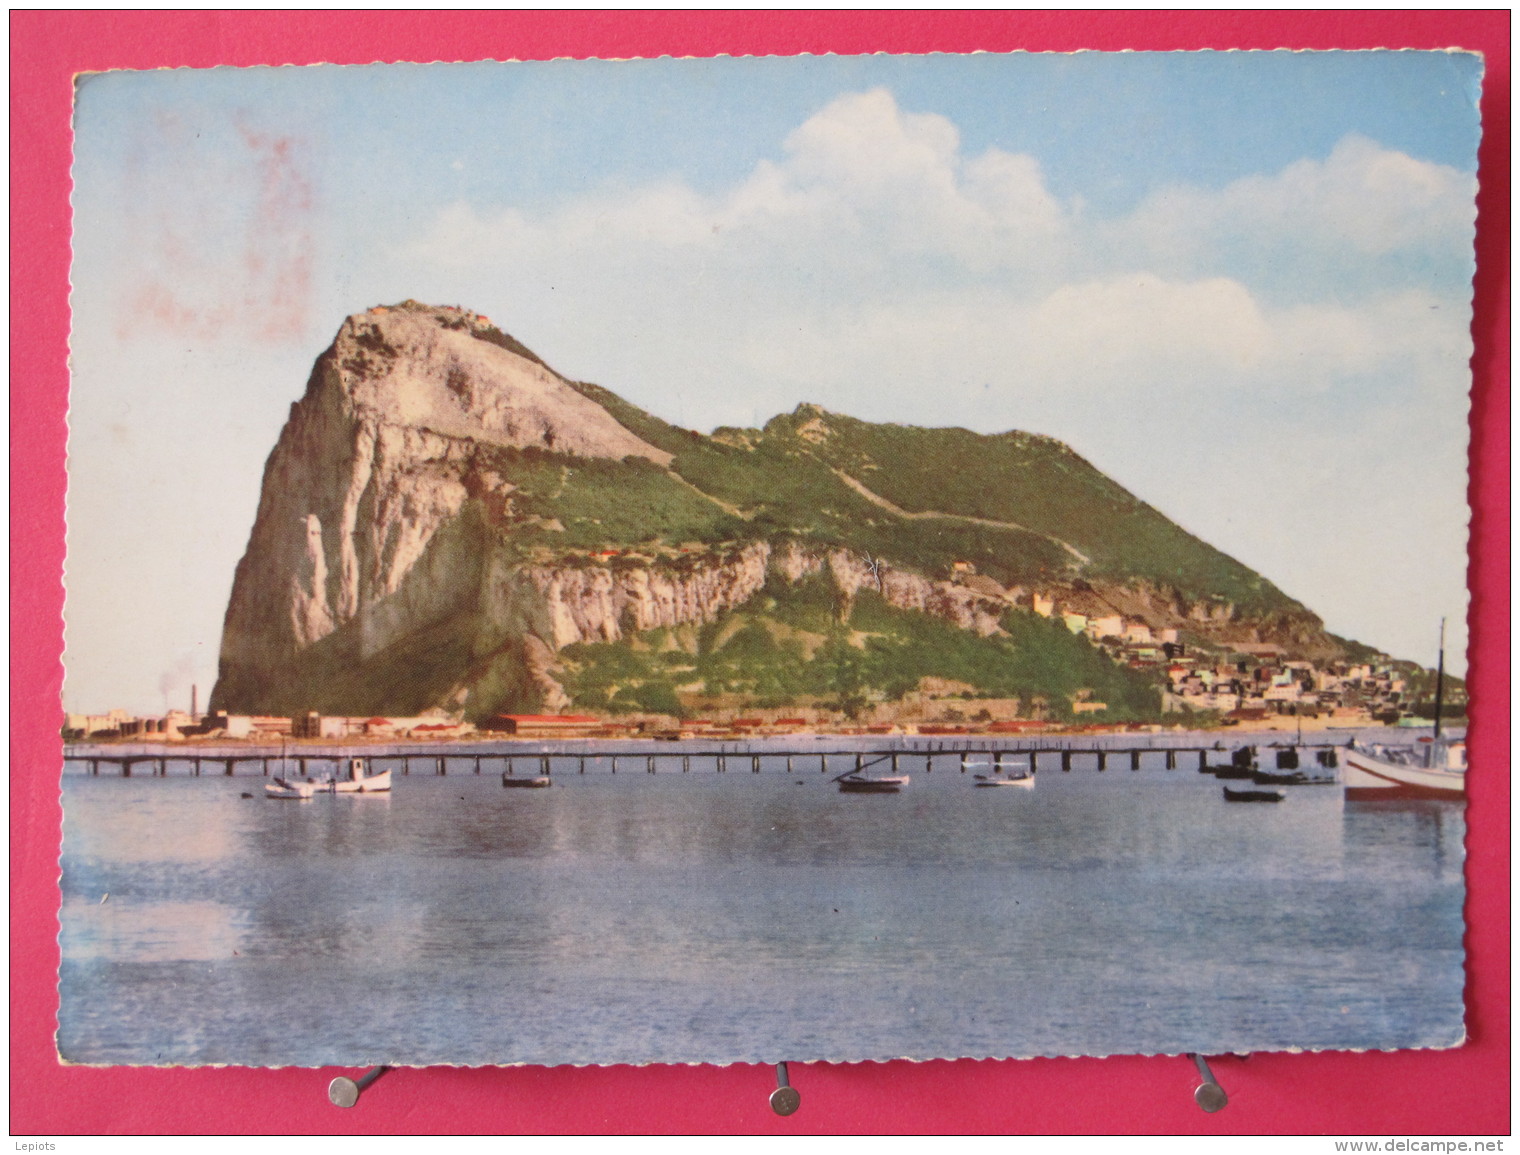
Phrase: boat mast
pixel 1440 671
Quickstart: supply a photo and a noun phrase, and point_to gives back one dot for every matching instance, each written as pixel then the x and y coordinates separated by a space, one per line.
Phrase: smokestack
pixel 194 716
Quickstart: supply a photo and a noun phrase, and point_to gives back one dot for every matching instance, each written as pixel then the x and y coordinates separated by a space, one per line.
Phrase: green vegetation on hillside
pixel 783 478
pixel 1032 481
pixel 791 643
pixel 597 502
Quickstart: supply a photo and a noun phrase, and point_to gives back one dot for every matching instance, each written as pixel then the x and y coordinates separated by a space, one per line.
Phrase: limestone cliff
pixel 375 466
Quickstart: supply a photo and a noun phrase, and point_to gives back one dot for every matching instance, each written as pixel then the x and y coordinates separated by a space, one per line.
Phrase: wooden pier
pixel 540 759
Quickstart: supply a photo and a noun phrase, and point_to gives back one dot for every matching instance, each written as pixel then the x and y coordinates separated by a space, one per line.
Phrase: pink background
pixel 1459 1092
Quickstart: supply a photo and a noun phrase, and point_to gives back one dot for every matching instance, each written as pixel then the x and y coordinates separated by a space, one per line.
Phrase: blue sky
pixel 1237 282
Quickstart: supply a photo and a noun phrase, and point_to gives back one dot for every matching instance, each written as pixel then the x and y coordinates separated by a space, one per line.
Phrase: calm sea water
pixel 748 917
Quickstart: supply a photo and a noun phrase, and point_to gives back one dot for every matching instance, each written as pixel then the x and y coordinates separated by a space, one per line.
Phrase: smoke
pixel 177 680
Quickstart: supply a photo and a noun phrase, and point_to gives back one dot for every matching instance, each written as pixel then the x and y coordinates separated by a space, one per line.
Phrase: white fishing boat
pixel 353 780
pixel 1431 769
pixel 358 780
pixel 1434 768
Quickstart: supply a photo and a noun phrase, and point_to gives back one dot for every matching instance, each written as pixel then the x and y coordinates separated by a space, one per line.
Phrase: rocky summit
pixel 448 524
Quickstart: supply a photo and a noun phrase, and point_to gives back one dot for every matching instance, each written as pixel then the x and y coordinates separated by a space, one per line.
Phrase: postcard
pixel 759 559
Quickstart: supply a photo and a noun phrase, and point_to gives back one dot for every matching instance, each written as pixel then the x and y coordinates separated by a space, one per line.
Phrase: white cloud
pixel 1143 326
pixel 1363 205
pixel 861 177
pixel 874 257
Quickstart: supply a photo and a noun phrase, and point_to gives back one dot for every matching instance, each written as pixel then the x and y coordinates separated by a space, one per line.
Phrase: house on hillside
pixel 1111 626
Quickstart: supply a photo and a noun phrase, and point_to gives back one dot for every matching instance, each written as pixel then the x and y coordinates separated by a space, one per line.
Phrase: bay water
pixel 748 917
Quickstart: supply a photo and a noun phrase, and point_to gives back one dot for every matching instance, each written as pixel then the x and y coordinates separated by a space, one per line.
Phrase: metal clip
pixel 784 1099
pixel 345 1092
pixel 1209 1095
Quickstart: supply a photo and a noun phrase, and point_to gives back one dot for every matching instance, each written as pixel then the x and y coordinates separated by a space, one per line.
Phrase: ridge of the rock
pixel 444 516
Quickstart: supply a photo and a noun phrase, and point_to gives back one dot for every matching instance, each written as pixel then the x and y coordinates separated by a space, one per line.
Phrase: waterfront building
pixel 543 725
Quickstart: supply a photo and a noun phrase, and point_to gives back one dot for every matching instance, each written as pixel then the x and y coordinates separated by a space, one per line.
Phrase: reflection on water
pixel 147 932
pixel 742 916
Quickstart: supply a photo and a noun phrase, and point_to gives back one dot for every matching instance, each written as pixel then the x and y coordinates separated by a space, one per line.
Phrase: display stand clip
pixel 345 1092
pixel 1209 1094
pixel 784 1099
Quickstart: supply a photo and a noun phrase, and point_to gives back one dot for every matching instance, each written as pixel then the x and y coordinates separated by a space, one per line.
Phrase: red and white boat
pixel 1432 769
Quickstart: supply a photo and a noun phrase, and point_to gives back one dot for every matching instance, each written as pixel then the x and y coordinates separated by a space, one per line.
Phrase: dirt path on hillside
pixel 896 510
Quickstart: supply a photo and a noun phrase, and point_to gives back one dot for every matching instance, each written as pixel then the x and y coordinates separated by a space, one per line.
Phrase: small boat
pixel 1248 794
pixel 283 788
pixel 854 783
pixel 526 783
pixel 358 781
pixel 1434 769
pixel 1026 781
pixel 1020 774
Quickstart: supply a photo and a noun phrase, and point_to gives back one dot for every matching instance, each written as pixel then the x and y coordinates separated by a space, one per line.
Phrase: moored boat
pixel 853 783
pixel 282 788
pixel 1026 781
pixel 538 783
pixel 1433 769
pixel 1251 794
pixel 1019 774
pixel 358 780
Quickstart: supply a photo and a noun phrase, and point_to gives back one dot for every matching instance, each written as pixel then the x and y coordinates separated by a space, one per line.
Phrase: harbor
pixel 730 916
